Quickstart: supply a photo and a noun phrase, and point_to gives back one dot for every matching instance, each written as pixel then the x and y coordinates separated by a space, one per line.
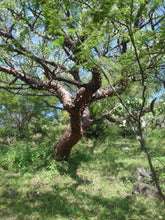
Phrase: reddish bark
pixel 64 146
pixel 72 135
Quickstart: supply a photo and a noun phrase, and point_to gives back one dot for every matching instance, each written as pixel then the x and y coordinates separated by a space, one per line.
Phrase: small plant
pixel 22 157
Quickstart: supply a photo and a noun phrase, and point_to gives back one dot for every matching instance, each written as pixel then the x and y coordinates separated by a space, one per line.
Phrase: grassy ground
pixel 90 186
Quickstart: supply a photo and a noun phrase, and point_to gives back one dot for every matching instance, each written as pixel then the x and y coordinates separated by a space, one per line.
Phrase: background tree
pixel 68 48
pixel 17 112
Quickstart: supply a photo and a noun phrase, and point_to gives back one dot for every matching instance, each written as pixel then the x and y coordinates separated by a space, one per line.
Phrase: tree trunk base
pixel 64 146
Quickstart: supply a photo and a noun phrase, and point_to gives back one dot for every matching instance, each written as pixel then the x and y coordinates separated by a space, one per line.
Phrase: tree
pixel 17 112
pixel 81 52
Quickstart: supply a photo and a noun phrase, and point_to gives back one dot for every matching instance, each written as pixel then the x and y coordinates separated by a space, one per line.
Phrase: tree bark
pixel 64 146
pixel 72 135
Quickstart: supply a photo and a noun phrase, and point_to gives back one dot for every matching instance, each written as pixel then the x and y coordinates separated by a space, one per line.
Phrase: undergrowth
pixel 94 184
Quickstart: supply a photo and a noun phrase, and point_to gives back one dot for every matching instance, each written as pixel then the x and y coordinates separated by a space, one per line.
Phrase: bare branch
pixel 27 94
pixel 53 106
pixel 73 82
pixel 51 86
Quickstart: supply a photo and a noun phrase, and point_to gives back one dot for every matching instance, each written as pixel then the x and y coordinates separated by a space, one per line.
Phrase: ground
pixel 88 187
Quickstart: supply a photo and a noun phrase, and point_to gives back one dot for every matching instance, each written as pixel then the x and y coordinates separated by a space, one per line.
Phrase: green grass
pixel 88 187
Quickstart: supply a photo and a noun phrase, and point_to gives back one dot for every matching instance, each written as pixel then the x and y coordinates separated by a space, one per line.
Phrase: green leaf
pixel 59 42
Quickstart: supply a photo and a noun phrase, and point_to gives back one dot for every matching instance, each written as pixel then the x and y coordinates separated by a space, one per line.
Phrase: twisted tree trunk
pixel 79 122
pixel 72 135
pixel 64 146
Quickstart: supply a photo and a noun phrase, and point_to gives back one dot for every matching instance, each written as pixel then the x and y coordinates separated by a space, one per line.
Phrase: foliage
pixel 18 112
pixel 46 26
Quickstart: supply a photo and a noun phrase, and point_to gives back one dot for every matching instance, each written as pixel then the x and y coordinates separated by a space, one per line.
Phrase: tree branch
pixel 53 106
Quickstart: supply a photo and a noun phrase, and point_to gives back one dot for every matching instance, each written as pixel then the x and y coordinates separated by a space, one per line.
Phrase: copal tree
pixel 80 52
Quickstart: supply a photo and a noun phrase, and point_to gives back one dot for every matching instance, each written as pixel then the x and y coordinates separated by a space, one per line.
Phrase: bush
pixel 26 155
pixel 7 131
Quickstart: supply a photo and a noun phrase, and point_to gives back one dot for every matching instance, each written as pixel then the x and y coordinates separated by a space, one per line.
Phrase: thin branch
pixel 71 81
pixel 27 94
pixel 7 86
pixel 118 120
pixel 52 106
